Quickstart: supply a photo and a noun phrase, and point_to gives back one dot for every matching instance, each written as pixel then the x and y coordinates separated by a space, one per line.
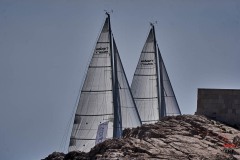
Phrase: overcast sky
pixel 45 47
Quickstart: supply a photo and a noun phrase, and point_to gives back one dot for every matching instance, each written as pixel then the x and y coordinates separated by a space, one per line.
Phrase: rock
pixel 76 155
pixel 236 141
pixel 55 156
pixel 191 137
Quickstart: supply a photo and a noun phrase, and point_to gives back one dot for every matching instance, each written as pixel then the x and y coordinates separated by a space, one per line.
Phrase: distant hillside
pixel 189 137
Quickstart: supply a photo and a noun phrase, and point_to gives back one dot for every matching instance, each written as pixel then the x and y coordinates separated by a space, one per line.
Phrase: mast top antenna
pixel 108 12
pixel 153 23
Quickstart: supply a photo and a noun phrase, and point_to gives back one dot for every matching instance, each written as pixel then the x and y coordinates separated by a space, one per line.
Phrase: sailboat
pixel 151 86
pixel 106 105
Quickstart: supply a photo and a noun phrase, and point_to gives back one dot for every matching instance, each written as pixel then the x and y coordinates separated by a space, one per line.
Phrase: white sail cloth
pixel 106 105
pixel 151 86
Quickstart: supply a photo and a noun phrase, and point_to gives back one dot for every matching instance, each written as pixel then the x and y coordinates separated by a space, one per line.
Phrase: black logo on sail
pixel 146 62
pixel 101 50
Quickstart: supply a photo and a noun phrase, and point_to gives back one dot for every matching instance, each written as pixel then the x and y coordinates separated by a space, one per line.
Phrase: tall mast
pixel 117 107
pixel 163 104
pixel 117 129
pixel 157 72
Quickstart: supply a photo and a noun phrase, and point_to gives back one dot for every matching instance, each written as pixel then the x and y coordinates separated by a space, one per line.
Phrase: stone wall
pixel 220 104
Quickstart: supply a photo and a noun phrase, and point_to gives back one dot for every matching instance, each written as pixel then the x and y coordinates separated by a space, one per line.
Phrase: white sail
pixel 104 108
pixel 144 84
pixel 95 104
pixel 170 100
pixel 129 114
pixel 151 87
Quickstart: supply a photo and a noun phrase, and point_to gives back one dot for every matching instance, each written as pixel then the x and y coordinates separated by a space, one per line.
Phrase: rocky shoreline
pixel 190 137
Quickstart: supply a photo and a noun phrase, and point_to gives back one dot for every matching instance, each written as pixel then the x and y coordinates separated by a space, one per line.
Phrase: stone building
pixel 220 104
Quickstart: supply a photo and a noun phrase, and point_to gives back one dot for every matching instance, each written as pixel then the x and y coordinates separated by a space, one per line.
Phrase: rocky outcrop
pixel 189 137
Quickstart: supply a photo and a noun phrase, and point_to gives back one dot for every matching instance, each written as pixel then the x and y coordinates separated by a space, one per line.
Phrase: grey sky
pixel 45 47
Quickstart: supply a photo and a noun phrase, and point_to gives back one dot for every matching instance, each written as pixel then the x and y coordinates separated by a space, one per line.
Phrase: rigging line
pixel 62 143
pixel 67 133
pixel 93 115
pixel 67 130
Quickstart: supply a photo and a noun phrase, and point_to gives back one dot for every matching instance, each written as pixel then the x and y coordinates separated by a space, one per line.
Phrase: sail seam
pixel 98 91
pixel 147 98
pixel 145 67
pixel 93 114
pixel 144 74
pixel 148 52
pixel 98 66
pixel 103 42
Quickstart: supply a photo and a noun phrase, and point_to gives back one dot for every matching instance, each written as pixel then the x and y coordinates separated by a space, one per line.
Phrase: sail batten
pixel 146 98
pixel 93 114
pixel 145 75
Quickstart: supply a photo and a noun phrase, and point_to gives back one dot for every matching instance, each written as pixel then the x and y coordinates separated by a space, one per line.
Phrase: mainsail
pixel 151 86
pixel 106 105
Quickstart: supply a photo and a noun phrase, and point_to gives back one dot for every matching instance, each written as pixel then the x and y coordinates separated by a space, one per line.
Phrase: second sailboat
pixel 151 86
